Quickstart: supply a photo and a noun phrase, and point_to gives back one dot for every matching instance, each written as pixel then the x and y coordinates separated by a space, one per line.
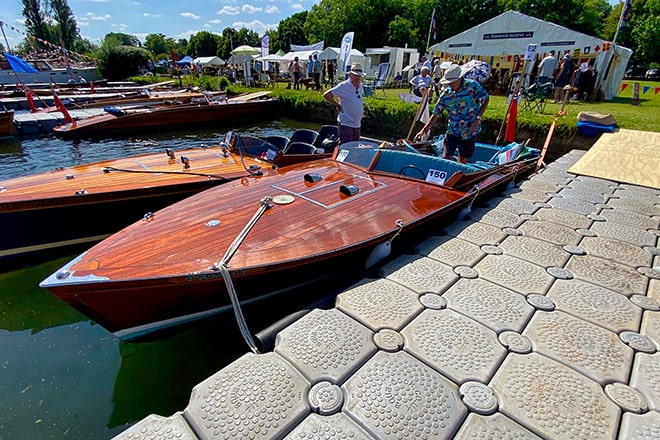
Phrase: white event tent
pixel 511 33
pixel 208 61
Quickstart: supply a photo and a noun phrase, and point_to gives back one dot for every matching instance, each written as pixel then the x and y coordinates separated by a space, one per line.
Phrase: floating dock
pixel 539 317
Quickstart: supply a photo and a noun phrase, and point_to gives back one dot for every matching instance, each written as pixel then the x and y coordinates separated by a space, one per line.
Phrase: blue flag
pixel 625 13
pixel 18 65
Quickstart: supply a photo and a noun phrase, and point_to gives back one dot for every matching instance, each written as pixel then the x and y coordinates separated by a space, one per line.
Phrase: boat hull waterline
pixel 170 117
pixel 163 267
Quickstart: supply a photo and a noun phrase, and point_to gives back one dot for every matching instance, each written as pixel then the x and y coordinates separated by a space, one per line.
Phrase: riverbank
pixel 386 116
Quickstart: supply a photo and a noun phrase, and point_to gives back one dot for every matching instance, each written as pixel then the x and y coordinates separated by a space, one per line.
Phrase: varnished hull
pixel 170 117
pixel 161 269
pixel 325 216
pixel 85 204
pixel 6 122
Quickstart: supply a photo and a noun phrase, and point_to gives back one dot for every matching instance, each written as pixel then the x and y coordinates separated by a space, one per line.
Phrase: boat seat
pixel 278 141
pixel 325 132
pixel 300 148
pixel 257 147
pixel 482 152
pixel 304 135
pixel 414 164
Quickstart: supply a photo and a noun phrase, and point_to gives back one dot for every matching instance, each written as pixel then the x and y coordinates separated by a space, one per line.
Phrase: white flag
pixel 345 51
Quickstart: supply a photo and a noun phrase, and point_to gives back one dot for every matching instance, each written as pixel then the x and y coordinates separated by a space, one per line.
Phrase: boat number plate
pixel 283 199
pixel 436 176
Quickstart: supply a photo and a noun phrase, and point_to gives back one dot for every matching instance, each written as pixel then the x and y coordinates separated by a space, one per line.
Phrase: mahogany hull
pixel 162 268
pixel 170 117
pixel 86 203
pixel 6 122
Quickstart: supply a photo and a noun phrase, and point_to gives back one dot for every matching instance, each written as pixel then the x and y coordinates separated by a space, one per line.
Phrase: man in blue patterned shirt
pixel 465 101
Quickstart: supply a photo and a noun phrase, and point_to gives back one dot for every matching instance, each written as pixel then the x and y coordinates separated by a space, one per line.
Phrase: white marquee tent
pixel 511 33
pixel 208 61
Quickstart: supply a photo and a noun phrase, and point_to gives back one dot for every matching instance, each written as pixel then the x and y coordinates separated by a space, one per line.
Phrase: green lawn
pixel 644 116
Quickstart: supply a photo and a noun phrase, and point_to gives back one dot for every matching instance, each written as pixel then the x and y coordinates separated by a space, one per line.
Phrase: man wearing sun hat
pixel 465 101
pixel 349 107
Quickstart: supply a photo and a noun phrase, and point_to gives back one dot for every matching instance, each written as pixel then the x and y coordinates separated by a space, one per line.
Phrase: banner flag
pixel 345 51
pixel 315 46
pixel 625 13
pixel 61 108
pixel 510 134
pixel 265 50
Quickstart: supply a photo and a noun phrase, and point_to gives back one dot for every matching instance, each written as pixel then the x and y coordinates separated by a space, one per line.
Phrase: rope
pixel 223 266
pixel 210 176
pixel 240 319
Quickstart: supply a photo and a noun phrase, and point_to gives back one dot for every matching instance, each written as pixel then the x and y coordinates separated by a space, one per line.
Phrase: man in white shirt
pixel 547 68
pixel 350 107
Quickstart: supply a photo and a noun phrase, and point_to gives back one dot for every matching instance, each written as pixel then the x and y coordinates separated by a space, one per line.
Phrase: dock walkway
pixel 537 318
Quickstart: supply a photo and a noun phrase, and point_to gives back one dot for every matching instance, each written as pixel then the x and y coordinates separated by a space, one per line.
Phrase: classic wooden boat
pixel 86 203
pixel 252 107
pixel 6 122
pixel 141 97
pixel 309 220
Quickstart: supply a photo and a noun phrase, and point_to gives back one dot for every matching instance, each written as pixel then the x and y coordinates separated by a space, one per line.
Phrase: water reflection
pixel 62 375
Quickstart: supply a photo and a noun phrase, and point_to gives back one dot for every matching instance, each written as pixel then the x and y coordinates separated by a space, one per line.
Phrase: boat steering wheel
pixel 414 167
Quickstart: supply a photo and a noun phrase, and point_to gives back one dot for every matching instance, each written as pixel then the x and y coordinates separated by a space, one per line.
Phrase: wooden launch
pixel 6 122
pixel 309 220
pixel 253 107
pixel 86 203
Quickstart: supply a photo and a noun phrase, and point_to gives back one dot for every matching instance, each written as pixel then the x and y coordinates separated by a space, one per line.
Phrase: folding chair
pixel 535 97
pixel 379 82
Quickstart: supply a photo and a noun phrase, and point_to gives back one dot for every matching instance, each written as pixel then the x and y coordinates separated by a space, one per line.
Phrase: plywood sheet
pixel 626 156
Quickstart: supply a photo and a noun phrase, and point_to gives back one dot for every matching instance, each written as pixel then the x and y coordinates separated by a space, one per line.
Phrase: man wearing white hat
pixel 349 107
pixel 465 101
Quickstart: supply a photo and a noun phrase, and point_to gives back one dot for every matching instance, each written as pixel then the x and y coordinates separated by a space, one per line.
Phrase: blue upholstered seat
pixel 399 162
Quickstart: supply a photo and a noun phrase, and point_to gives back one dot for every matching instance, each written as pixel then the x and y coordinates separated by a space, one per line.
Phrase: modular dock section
pixel 539 317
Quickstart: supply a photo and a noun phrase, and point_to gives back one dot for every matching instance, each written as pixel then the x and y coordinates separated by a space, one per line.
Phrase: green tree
pixel 592 17
pixel 159 44
pixel 35 19
pixel 203 44
pixel 400 32
pixel 122 39
pixel 66 28
pixel 290 31
pixel 645 31
pixel 117 62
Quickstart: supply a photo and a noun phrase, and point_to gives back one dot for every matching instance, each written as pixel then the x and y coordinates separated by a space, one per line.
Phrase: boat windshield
pixel 358 153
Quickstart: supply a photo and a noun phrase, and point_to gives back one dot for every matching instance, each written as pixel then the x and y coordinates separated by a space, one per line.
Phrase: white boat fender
pixel 383 250
pixel 464 213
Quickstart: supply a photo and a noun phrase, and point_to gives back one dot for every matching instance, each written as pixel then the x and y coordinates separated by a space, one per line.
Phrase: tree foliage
pixel 35 22
pixel 116 61
pixel 203 44
pixel 291 31
pixel 66 26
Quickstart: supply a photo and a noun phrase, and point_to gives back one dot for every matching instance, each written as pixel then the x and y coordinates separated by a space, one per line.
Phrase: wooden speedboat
pixel 260 236
pixel 140 97
pixel 253 107
pixel 86 203
pixel 6 122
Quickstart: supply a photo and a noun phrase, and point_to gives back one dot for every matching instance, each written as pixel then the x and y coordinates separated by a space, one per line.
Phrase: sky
pixel 173 18
pixel 176 19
